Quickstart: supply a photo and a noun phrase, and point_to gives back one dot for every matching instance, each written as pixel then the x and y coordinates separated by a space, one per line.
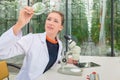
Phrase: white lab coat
pixel 35 50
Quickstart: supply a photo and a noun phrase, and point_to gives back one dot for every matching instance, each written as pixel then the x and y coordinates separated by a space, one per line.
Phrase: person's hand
pixel 72 61
pixel 25 15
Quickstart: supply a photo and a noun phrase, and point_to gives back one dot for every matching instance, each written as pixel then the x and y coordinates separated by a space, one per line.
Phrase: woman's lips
pixel 49 27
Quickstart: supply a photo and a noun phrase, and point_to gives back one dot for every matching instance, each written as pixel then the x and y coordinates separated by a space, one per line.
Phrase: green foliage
pixel 79 22
pixel 80 33
pixel 95 30
pixel 8 10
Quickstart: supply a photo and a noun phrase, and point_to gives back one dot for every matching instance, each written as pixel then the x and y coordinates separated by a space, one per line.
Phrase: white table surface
pixel 109 69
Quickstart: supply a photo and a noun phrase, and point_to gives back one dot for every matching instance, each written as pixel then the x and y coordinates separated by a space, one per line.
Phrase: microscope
pixel 73 51
pixel 72 54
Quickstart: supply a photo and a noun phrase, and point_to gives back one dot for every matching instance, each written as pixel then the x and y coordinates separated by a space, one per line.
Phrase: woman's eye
pixel 56 21
pixel 49 19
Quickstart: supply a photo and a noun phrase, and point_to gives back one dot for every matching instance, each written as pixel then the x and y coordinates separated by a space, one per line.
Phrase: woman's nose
pixel 51 22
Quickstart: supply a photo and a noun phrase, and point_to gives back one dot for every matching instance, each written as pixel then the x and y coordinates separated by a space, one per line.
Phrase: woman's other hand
pixel 72 61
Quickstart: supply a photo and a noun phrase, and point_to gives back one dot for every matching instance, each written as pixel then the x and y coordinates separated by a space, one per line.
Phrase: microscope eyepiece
pixel 67 37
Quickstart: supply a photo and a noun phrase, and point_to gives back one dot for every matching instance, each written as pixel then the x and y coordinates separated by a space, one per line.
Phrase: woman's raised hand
pixel 25 15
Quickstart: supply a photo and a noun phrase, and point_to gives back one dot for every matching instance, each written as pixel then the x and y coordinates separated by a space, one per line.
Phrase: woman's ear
pixel 61 27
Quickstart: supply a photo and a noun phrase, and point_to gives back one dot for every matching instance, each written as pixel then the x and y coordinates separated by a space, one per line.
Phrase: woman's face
pixel 53 23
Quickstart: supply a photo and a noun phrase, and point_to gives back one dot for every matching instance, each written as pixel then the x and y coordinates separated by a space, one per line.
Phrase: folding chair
pixel 4 72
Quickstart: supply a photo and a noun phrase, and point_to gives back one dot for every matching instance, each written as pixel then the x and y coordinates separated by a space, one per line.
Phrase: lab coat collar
pixel 43 38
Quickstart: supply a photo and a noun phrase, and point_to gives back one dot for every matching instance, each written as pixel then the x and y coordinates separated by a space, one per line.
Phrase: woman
pixel 42 51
